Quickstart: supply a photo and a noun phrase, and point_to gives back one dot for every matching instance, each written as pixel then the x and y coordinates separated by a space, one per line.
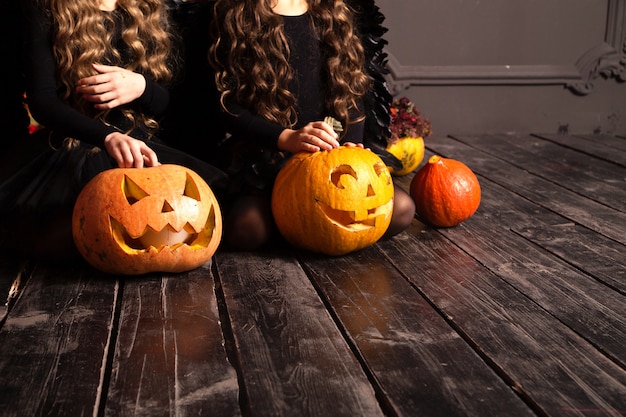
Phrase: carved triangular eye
pixel 132 192
pixel 191 189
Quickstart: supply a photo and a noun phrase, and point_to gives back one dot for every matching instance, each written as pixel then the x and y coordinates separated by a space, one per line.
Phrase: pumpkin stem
pixel 434 159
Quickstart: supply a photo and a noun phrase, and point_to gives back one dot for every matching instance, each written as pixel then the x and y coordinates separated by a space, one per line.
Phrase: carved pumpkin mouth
pixel 166 238
pixel 355 221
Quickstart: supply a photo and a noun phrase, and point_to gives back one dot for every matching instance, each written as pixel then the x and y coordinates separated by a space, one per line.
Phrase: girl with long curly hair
pixel 97 76
pixel 281 67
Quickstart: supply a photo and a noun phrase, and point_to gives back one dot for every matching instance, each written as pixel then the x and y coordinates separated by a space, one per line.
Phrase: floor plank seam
pixel 383 401
pixel 229 338
pixel 492 364
pixel 109 357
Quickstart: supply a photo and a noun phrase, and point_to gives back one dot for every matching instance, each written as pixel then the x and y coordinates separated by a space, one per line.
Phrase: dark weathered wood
pixel 169 356
pixel 421 365
pixel 292 358
pixel 55 342
pixel 13 274
pixel 520 310
pixel 586 305
pixel 578 172
pixel 600 257
pixel 571 205
pixel 590 145
pixel 557 286
pixel 551 366
pixel 612 141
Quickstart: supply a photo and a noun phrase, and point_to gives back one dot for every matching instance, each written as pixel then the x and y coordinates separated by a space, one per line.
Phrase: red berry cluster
pixel 407 121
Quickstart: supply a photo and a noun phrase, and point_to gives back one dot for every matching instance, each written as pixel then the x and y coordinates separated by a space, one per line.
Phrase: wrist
pixel 283 139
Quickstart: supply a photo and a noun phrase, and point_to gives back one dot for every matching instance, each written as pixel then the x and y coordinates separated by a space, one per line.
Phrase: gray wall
pixel 520 66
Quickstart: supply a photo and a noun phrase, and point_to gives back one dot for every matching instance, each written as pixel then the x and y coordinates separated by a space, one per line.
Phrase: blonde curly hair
pixel 250 54
pixel 83 36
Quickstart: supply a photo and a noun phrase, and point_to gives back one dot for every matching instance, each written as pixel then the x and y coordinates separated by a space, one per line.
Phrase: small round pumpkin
pixel 410 151
pixel 333 202
pixel 132 221
pixel 446 192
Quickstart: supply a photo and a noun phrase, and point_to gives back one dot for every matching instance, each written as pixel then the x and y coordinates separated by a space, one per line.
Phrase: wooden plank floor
pixel 519 311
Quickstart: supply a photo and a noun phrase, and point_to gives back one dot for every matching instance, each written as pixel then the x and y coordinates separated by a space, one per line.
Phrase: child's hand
pixel 313 137
pixel 129 152
pixel 351 144
pixel 111 87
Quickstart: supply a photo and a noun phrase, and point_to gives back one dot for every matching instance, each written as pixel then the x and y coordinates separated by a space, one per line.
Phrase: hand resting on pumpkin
pixel 312 137
pixel 129 152
pixel 111 87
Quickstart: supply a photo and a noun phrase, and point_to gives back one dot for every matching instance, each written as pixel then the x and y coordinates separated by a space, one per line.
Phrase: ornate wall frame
pixel 607 59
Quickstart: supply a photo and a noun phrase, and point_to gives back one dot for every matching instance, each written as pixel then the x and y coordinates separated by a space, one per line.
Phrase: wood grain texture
pixel 14 273
pixel 550 365
pixel 578 172
pixel 575 206
pixel 421 365
pixel 603 148
pixel 518 311
pixel 170 358
pixel 561 289
pixel 596 255
pixel 55 342
pixel 292 358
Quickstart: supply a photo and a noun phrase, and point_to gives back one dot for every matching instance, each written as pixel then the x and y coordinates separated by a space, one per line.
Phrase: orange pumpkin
pixel 446 192
pixel 333 202
pixel 136 220
pixel 410 151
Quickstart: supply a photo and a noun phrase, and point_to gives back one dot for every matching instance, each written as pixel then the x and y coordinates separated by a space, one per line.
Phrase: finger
pixel 126 156
pixel 309 147
pixel 313 144
pixel 352 144
pixel 328 129
pixel 137 158
pixel 117 156
pixel 104 68
pixel 325 141
pixel 108 105
pixel 150 157
pixel 99 97
pixel 89 82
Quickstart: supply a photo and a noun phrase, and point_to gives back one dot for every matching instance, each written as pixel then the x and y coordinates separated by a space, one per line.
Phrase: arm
pixel 45 105
pixel 310 138
pixel 54 113
pixel 115 86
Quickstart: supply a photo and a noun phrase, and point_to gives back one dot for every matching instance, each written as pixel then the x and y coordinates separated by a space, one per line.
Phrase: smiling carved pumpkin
pixel 136 220
pixel 333 202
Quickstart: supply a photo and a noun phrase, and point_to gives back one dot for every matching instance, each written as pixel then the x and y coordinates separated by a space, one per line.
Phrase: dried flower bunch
pixel 407 121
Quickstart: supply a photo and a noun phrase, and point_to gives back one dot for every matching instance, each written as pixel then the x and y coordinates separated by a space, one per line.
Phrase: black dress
pixel 251 152
pixel 52 169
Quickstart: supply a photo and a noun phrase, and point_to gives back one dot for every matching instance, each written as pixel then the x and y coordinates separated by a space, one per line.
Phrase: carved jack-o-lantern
pixel 137 220
pixel 333 202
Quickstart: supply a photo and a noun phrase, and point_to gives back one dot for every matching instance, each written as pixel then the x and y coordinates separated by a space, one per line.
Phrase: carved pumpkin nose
pixel 166 208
